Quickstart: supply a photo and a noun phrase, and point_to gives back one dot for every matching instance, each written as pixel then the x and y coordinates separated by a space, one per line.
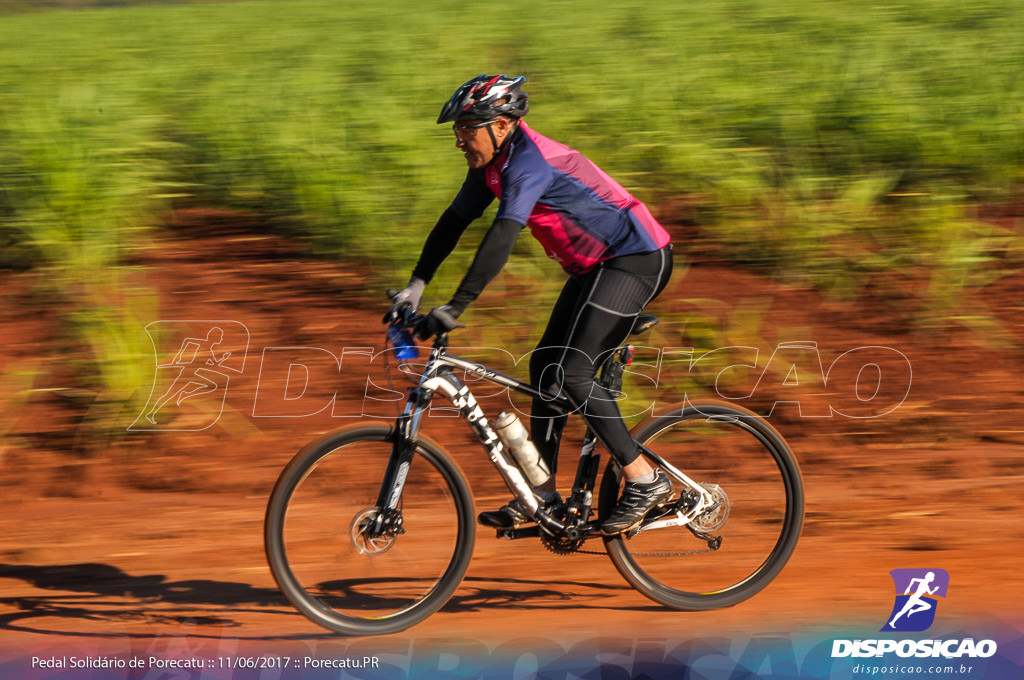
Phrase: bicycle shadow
pixel 479 594
pixel 104 596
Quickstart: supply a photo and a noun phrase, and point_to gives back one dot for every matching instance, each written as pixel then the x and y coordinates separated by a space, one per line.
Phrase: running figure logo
pixel 914 610
pixel 207 353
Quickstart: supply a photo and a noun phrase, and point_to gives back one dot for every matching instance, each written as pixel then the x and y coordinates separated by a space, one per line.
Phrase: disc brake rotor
pixel 713 519
pixel 364 537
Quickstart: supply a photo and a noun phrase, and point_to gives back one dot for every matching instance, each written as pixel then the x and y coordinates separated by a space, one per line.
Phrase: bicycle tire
pixel 713 443
pixel 322 561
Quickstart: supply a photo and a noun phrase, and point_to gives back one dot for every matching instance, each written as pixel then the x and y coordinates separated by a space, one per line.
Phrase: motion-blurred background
pixel 848 174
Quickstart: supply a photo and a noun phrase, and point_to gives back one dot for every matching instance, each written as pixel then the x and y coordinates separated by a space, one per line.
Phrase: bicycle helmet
pixel 486 97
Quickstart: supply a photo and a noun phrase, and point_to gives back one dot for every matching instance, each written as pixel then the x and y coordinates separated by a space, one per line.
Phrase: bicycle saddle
pixel 644 323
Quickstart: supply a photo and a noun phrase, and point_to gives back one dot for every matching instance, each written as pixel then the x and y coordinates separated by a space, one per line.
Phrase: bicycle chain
pixel 574 548
pixel 558 550
pixel 649 554
pixel 672 554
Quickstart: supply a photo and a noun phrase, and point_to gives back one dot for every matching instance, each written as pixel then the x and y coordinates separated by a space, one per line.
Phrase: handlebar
pixel 404 316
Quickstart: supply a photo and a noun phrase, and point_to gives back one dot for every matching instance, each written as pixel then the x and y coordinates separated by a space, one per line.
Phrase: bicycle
pixel 370 528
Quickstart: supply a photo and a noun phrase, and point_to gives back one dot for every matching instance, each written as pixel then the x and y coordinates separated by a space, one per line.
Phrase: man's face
pixel 472 138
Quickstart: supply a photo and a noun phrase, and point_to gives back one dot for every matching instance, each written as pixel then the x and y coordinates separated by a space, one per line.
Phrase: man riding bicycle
pixel 617 256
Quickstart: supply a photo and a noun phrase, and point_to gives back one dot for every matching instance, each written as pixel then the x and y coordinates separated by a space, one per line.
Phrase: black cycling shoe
pixel 514 514
pixel 636 501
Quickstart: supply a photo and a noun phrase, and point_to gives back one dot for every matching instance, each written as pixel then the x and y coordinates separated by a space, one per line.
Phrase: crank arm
pixel 584 531
pixel 514 533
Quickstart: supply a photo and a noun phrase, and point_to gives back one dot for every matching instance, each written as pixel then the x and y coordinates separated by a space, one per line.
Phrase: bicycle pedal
pixel 512 533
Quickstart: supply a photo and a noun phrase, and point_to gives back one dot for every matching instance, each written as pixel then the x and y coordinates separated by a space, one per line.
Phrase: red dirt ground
pixel 152 542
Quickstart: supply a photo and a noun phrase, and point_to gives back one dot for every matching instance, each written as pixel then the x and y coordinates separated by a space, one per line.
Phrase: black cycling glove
pixel 441 319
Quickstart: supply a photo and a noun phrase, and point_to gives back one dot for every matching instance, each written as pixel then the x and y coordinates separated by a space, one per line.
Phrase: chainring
pixel 559 545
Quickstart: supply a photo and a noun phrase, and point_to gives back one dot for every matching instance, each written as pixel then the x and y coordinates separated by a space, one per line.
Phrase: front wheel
pixel 327 556
pixel 748 536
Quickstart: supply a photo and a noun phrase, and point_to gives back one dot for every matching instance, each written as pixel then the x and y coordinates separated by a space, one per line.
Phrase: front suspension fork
pixel 403 448
pixel 405 435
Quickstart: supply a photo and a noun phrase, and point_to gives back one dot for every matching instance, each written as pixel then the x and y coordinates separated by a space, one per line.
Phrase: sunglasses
pixel 463 130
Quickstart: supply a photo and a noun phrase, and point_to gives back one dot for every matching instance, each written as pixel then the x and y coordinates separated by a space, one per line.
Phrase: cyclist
pixel 617 256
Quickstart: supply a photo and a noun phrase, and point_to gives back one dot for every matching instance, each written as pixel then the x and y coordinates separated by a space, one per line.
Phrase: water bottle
pixel 515 438
pixel 401 339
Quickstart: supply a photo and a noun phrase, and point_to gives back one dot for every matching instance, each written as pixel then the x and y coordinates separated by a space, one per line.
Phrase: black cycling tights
pixel 592 317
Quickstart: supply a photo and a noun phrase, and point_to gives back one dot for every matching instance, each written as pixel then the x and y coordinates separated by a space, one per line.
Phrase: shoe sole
pixel 514 525
pixel 500 525
pixel 636 524
pixel 505 526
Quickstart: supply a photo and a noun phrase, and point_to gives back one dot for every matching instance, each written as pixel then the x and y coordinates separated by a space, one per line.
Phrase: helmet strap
pixel 498 148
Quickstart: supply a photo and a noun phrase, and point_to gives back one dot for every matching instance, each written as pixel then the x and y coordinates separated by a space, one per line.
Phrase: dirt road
pixel 150 547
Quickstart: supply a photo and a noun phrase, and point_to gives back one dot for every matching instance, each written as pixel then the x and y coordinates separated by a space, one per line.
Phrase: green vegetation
pixel 820 140
pixel 797 125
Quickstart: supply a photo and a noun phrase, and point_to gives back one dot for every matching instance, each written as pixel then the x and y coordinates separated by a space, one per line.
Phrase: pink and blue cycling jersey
pixel 579 214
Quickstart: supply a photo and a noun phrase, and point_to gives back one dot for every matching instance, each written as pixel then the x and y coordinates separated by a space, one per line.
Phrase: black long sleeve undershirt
pixel 440 243
pixel 490 258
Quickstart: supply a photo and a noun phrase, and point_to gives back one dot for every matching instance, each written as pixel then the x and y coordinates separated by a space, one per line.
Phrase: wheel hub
pixel 716 517
pixel 367 536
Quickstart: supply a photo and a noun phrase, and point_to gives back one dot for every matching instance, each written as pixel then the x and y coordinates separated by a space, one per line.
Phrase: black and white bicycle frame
pixel 440 375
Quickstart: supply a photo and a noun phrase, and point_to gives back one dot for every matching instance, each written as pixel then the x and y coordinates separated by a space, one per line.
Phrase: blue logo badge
pixel 914 610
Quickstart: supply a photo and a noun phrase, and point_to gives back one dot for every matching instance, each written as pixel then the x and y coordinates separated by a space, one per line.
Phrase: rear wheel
pixel 755 522
pixel 326 548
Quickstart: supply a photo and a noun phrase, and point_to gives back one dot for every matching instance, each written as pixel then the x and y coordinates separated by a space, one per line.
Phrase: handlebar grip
pixel 391 293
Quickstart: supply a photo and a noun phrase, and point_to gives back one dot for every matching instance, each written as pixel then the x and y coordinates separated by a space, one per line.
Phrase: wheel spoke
pixel 756 506
pixel 348 565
